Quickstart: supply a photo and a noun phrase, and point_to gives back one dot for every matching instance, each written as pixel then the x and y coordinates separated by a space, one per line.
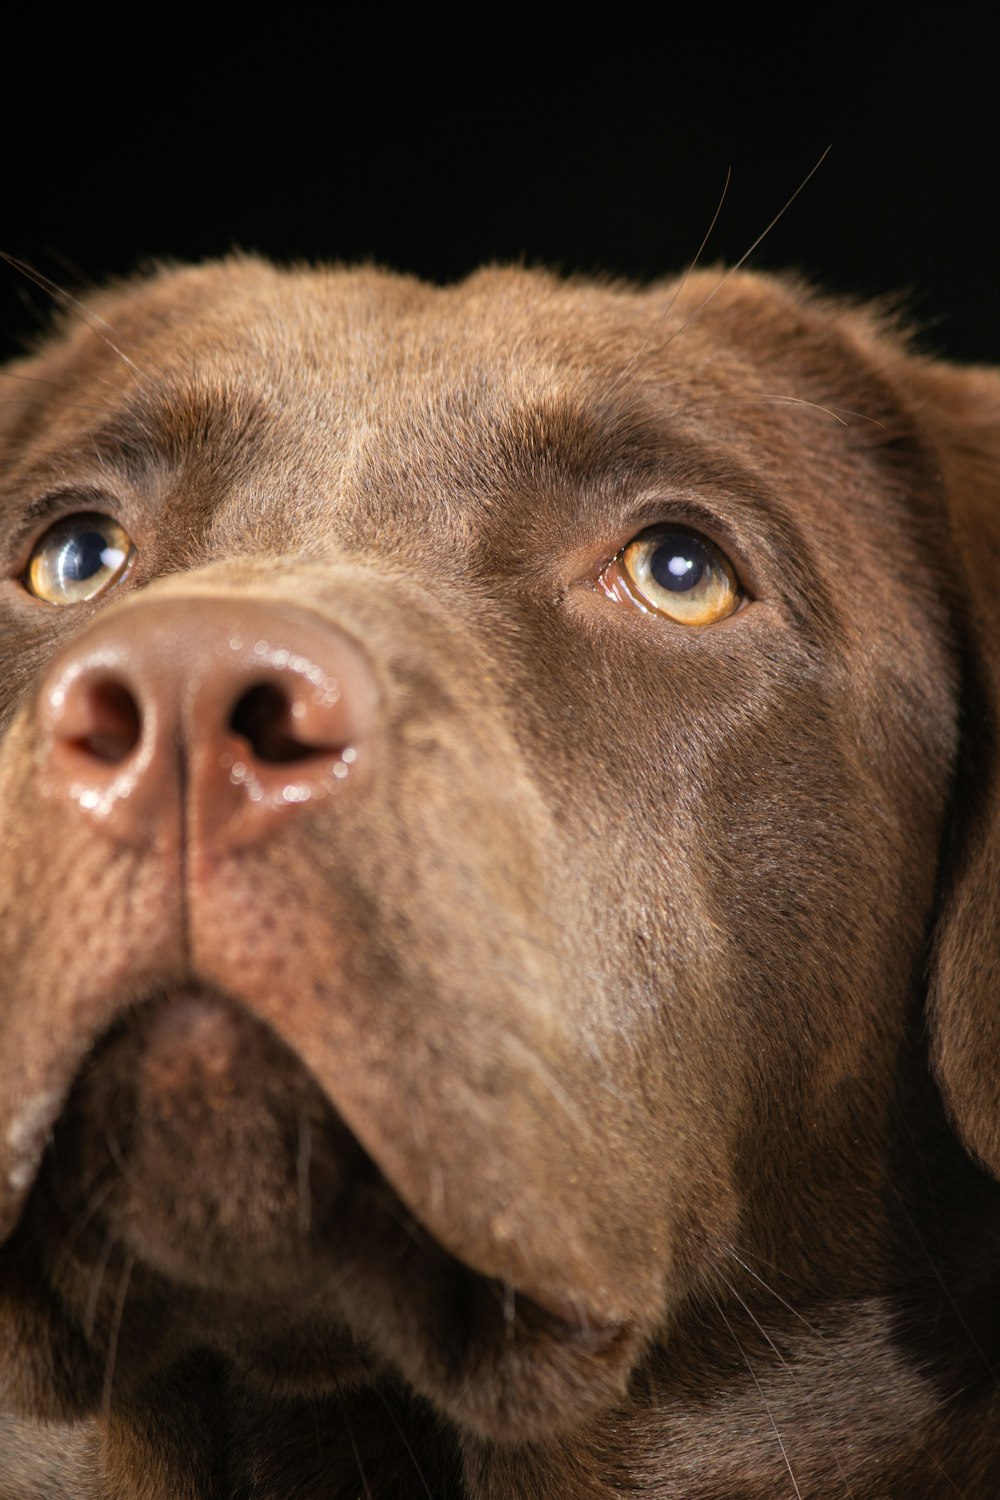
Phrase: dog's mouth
pixel 200 1180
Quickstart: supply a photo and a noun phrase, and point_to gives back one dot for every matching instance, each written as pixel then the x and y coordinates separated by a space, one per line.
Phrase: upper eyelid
pixel 682 517
pixel 39 514
pixel 688 514
pixel 703 507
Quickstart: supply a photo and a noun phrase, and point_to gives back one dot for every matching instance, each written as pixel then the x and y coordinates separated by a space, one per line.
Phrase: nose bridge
pixel 226 713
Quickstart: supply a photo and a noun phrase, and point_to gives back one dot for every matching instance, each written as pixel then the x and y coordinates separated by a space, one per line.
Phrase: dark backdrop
pixel 601 149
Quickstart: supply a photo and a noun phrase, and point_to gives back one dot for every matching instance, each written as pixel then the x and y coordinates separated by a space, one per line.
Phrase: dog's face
pixel 474 777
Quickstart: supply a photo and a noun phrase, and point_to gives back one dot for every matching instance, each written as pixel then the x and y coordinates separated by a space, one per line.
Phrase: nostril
pixel 265 718
pixel 205 720
pixel 112 722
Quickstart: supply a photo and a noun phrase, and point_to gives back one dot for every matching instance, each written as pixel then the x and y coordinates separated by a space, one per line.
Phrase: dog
pixel 498 907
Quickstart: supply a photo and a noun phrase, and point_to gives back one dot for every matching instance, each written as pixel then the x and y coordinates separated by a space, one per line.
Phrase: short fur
pixel 587 1085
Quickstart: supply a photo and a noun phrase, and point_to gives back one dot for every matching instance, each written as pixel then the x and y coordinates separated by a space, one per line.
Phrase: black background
pixel 591 146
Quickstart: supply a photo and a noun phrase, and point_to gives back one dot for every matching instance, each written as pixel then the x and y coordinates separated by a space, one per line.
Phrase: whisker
pixel 118 1157
pixel 787 1367
pixel 357 1457
pixel 96 1284
pixel 760 1392
pixel 101 1194
pixel 73 304
pixel 678 289
pixel 838 413
pixel 838 1354
pixel 747 253
pixel 116 1324
pixel 403 1439
pixel 410 1226
pixel 545 1076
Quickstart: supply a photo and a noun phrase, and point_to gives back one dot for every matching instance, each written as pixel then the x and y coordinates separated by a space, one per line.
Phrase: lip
pixel 547 1313
pixel 25 1139
pixel 562 1321
pixel 31 1123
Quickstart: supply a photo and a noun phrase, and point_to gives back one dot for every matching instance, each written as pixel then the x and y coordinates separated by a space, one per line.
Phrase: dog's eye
pixel 675 573
pixel 77 558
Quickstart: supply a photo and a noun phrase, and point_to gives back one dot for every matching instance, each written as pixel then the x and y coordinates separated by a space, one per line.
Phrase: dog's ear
pixel 959 416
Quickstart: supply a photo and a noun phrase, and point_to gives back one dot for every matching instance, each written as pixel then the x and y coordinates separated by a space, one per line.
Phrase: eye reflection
pixel 675 573
pixel 78 558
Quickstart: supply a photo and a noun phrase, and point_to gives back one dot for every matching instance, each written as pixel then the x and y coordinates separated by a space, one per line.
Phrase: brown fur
pixel 595 1094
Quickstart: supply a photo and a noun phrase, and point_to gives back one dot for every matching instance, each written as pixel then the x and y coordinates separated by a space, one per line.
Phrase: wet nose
pixel 226 714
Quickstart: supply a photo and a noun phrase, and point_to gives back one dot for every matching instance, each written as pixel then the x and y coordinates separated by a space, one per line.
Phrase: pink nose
pixel 227 713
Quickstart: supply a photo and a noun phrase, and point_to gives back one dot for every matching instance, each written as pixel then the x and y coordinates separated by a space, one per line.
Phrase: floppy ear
pixel 960 414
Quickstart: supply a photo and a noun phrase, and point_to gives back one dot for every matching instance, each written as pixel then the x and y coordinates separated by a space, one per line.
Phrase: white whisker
pixel 767 1408
pixel 116 1324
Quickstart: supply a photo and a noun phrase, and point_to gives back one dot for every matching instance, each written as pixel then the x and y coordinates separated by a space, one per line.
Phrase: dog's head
pixel 486 775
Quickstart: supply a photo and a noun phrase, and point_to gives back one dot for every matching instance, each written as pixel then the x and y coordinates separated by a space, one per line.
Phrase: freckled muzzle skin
pixel 424 977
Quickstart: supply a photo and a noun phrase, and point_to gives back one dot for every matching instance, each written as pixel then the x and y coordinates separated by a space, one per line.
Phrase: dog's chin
pixel 225 1166
pixel 199 1166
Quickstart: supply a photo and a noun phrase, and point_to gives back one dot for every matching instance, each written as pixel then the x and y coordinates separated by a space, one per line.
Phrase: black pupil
pixel 679 564
pixel 83 556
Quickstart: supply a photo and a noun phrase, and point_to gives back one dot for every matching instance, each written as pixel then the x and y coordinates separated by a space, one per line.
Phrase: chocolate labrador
pixel 498 910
